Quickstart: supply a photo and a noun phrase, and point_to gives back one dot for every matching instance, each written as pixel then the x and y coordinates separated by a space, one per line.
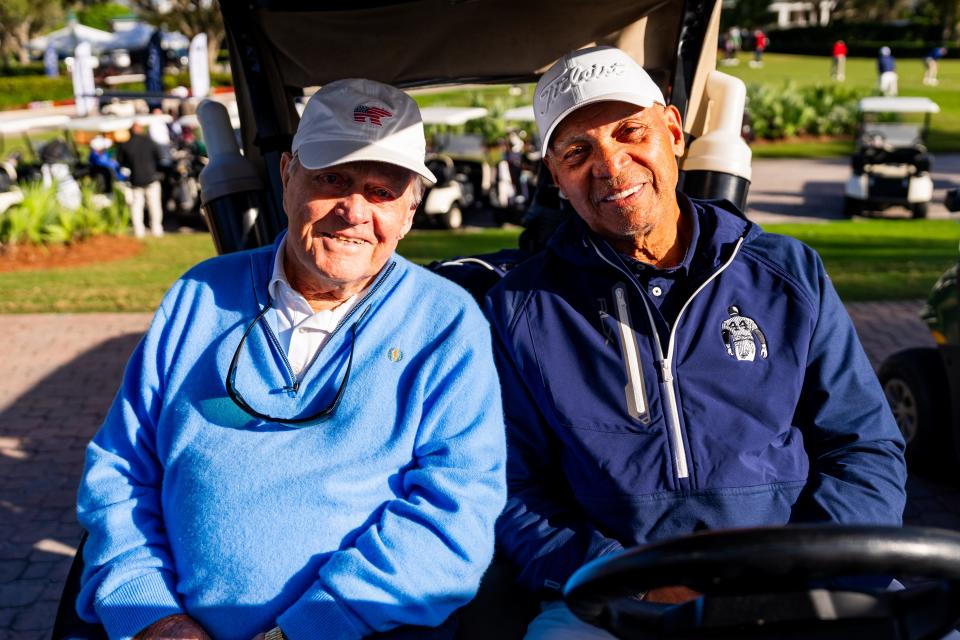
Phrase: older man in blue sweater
pixel 308 442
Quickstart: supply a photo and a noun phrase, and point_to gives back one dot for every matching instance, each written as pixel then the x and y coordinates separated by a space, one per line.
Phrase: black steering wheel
pixel 803 581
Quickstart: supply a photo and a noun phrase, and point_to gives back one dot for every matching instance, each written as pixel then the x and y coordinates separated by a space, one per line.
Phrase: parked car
pixel 922 385
pixel 890 164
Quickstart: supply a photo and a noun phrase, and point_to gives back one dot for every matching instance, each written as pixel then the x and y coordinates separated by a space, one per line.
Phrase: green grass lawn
pixel 867 260
pixel 861 72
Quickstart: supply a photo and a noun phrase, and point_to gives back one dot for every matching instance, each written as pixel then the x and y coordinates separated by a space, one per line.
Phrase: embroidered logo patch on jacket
pixel 740 336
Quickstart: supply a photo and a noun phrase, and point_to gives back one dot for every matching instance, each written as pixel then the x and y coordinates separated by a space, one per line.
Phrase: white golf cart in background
pixel 891 165
pixel 458 162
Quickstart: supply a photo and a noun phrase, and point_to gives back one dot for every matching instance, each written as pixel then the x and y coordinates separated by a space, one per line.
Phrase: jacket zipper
pixel 665 363
pixel 635 390
pixel 294 387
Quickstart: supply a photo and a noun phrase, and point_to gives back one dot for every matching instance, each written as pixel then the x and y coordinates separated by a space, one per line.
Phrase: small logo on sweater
pixel 394 355
pixel 740 336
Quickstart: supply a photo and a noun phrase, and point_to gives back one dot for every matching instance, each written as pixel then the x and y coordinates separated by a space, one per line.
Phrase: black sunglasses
pixel 294 422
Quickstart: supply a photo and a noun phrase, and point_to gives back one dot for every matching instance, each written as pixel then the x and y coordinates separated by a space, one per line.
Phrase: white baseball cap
pixel 355 119
pixel 585 76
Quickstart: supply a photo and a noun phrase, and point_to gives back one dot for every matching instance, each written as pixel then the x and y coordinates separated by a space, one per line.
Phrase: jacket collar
pixel 719 222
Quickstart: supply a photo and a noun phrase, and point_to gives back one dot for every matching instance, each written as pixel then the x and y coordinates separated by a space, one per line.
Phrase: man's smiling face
pixel 616 163
pixel 344 221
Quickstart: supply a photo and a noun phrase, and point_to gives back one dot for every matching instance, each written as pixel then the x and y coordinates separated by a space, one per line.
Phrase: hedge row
pixel 790 110
pixel 19 91
pixel 862 39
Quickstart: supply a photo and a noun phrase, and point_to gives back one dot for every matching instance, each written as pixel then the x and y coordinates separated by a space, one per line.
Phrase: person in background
pixel 930 66
pixel 886 72
pixel 140 156
pixel 308 443
pixel 102 165
pixel 760 44
pixel 839 62
pixel 667 366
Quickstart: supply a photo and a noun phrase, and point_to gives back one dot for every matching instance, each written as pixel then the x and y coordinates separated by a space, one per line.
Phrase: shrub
pixel 40 219
pixel 789 110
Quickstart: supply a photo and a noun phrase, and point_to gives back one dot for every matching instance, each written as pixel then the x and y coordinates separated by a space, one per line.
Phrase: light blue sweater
pixel 380 516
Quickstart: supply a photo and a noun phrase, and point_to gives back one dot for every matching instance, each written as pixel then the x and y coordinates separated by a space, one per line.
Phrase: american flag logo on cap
pixel 362 113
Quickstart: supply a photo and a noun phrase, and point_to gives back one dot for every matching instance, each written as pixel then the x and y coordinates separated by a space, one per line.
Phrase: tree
pixel 189 17
pixel 100 14
pixel 21 20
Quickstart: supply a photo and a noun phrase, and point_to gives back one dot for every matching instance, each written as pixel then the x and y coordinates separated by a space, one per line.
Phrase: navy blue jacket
pixel 756 406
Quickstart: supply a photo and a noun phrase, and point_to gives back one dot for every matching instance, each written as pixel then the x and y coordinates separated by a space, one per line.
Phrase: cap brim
pixel 329 153
pixel 629 98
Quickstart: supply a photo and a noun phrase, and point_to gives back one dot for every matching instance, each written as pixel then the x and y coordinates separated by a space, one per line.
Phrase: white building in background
pixel 802 14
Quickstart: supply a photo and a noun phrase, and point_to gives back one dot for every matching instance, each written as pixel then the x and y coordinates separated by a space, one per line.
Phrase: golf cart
pixel 25 165
pixel 279 48
pixel 458 163
pixel 890 163
pixel 922 385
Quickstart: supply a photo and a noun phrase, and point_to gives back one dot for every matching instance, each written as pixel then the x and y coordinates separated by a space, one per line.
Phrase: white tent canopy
pixel 519 114
pixel 451 115
pixel 133 38
pixel 65 40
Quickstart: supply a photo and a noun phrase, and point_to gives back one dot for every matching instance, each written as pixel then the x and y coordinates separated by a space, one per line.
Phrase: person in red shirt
pixel 760 43
pixel 839 60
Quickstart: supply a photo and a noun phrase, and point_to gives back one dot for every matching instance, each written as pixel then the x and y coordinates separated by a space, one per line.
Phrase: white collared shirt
pixel 301 330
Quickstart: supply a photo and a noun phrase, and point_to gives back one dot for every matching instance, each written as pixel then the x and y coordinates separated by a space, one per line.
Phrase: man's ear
pixel 285 160
pixel 671 118
pixel 547 162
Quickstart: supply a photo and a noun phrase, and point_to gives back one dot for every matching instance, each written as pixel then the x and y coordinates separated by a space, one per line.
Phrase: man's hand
pixel 671 595
pixel 176 627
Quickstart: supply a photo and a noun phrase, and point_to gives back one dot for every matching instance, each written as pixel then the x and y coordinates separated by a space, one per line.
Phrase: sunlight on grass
pixel 866 259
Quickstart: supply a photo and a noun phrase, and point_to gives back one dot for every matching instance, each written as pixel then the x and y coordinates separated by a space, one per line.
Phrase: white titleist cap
pixel 354 119
pixel 586 76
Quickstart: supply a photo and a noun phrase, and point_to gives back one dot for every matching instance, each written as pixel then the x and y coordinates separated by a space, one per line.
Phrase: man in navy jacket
pixel 667 366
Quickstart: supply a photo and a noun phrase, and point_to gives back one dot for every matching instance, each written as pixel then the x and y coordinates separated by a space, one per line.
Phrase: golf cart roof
pixel 451 115
pixel 422 42
pixel 520 114
pixel 109 124
pixel 879 104
pixel 19 125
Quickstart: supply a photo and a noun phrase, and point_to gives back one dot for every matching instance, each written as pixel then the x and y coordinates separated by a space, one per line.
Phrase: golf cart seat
pixel 442 166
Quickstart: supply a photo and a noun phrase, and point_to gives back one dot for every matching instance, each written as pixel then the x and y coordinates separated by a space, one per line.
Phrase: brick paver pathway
pixel 58 374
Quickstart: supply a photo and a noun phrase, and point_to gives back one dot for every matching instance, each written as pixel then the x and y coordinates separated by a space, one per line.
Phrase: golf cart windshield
pixel 897 122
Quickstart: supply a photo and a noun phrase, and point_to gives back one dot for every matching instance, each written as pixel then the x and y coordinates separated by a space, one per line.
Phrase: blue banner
pixel 154 69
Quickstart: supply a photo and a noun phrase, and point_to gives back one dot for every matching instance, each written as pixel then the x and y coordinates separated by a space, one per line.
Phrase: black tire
pixel 453 218
pixel 915 384
pixel 852 207
pixel 918 210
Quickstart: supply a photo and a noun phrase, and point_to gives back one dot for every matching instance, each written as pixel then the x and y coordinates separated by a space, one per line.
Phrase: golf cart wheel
pixel 914 383
pixel 852 207
pixel 918 210
pixel 453 218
